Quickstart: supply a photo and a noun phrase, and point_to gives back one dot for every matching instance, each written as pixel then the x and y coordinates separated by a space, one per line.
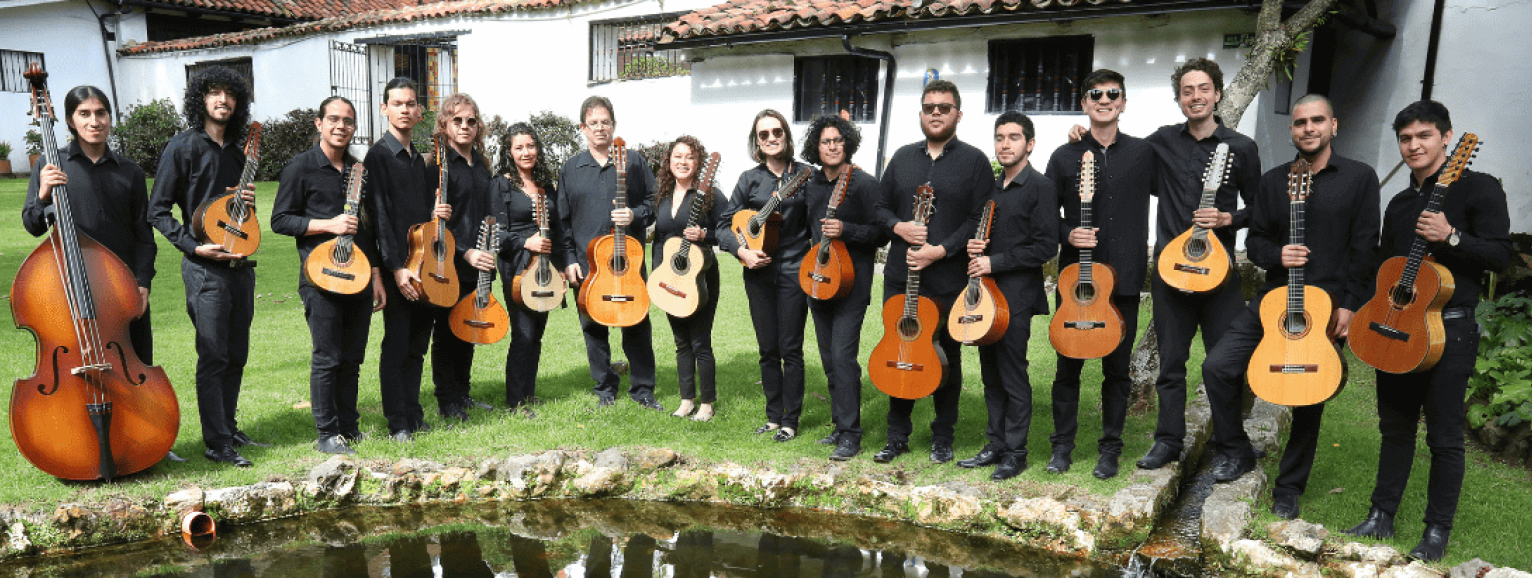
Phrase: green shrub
pixel 34 141
pixel 5 149
pixel 284 138
pixel 561 137
pixel 1501 384
pixel 425 132
pixel 654 154
pixel 146 129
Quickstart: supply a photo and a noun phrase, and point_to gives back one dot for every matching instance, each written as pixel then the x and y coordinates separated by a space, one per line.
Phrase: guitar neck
pixel 1418 248
pixel 1086 255
pixel 1295 282
pixel 696 215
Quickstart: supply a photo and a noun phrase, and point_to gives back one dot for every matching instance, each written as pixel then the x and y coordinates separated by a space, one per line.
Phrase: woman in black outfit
pixel 515 192
pixel 674 196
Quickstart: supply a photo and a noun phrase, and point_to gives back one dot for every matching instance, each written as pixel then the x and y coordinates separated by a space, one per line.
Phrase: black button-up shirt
pixel 468 191
pixel 751 192
pixel 1125 178
pixel 1183 159
pixel 1024 236
pixel 1475 204
pixel 108 202
pixel 586 191
pixel 400 195
pixel 716 221
pixel 962 180
pixel 193 169
pixel 515 210
pixel 857 212
pixel 310 188
pixel 1340 229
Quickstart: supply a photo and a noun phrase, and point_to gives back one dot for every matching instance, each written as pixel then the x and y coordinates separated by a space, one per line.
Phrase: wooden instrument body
pixel 1400 329
pixel 1296 368
pixel 48 416
pixel 214 223
pixel 906 363
pixel 1195 263
pixel 539 287
pixel 1087 324
pixel 481 325
pixel 758 238
pixel 827 272
pixel 674 284
pixel 324 271
pixel 438 276
pixel 980 316
pixel 614 294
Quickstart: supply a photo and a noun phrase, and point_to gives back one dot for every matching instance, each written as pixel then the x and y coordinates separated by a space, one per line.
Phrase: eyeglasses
pixel 468 120
pixel 1112 94
pixel 595 124
pixel 337 119
pixel 840 140
pixel 942 108
pixel 773 133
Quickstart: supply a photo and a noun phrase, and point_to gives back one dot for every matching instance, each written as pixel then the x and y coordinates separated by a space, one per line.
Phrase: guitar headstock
pixel 42 104
pixel 709 170
pixel 1218 168
pixel 794 184
pixel 1468 146
pixel 488 239
pixel 620 154
pixel 1087 176
pixel 987 220
pixel 1300 177
pixel 842 182
pixel 253 141
pixel 925 203
pixel 354 178
pixel 539 206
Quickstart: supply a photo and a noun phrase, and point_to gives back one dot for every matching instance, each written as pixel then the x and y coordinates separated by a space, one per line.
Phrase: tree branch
pixel 1307 16
pixel 1270 17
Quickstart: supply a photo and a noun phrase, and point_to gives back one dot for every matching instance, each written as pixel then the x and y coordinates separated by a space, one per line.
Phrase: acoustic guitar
pixel 1195 261
pixel 757 230
pixel 336 265
pixel 1400 329
pixel 1087 324
pixel 674 284
pixel 539 287
pixel 827 272
pixel 1295 363
pixel 906 363
pixel 980 316
pixel 479 317
pixel 226 220
pixel 432 248
pixel 614 294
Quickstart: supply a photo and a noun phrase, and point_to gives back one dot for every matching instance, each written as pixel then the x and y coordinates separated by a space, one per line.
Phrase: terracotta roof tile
pixel 749 16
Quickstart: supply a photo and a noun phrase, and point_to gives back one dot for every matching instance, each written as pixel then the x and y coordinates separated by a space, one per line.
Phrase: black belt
pixel 1451 313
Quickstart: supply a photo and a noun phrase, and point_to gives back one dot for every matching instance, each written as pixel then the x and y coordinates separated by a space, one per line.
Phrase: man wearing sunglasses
pixel 962 179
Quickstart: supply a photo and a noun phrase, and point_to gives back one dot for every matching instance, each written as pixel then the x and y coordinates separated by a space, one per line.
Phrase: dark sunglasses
pixel 944 107
pixel 1112 94
pixel 470 121
pixel 766 134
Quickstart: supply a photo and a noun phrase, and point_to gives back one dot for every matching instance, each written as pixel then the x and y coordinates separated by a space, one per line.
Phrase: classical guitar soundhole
pixel 909 328
pixel 619 264
pixel 681 264
pixel 1196 249
pixel 1085 293
pixel 1401 296
pixel 1295 326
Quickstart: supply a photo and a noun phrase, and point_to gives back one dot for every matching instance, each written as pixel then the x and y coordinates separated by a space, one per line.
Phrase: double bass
pixel 91 410
pixel 906 363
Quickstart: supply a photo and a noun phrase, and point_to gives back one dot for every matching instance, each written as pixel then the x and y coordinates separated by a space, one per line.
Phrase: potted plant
pixel 5 157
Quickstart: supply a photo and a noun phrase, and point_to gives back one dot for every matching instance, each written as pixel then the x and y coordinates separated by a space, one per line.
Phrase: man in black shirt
pixel 401 195
pixel 311 206
pixel 962 179
pixel 587 185
pixel 200 164
pixel 1023 236
pixel 1119 238
pixel 1471 235
pixel 1340 230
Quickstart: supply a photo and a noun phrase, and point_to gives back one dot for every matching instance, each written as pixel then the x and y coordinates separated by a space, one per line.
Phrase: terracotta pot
pixel 32 161
pixel 5 167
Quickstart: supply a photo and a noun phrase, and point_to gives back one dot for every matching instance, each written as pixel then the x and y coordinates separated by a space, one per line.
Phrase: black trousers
pixel 406 336
pixel 1223 370
pixel 221 303
pixel 525 353
pixel 637 344
pixel 529 557
pixel 338 325
pixel 1438 393
pixel 1177 317
pixel 695 365
pixel 945 398
pixel 1007 387
pixel 452 358
pixel 838 331
pixel 461 557
pixel 779 309
pixel 1115 385
pixel 141 334
pixel 693 556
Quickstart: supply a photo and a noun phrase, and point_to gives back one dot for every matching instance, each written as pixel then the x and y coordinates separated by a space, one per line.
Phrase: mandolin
pixel 980 316
pixel 757 230
pixel 1195 261
pixel 906 363
pixel 674 284
pixel 539 287
pixel 614 294
pixel 1295 363
pixel 91 410
pixel 479 317
pixel 1400 329
pixel 226 220
pixel 336 265
pixel 827 272
pixel 432 249
pixel 1087 325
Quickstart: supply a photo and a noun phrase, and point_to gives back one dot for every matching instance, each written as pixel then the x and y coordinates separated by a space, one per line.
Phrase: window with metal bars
pixel 831 84
pixel 625 49
pixel 1038 75
pixel 240 66
pixel 432 66
pixel 13 64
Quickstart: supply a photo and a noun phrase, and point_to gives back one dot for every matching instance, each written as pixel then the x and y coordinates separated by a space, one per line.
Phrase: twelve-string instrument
pixel 675 285
pixel 539 287
pixel 432 248
pixel 614 294
pixel 1087 325
pixel 337 265
pixel 980 316
pixel 227 220
pixel 1195 261
pixel 827 272
pixel 757 230
pixel 479 317
pixel 906 363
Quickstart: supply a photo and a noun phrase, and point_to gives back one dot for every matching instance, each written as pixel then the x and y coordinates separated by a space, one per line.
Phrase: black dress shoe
pixel 334 445
pixel 1010 465
pixel 1061 460
pixel 421 427
pixel 454 413
pixel 605 401
pixel 1106 467
pixel 403 435
pixel 471 403
pixel 353 437
pixel 1231 469
pixel 240 439
pixel 1285 506
pixel 988 456
pixel 890 451
pixel 941 451
pixel 830 440
pixel 648 402
pixel 1433 544
pixel 1379 524
pixel 228 455
pixel 845 449
pixel 1158 457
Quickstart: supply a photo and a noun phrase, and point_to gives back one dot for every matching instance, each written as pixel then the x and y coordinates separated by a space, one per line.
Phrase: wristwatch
pixel 1453 238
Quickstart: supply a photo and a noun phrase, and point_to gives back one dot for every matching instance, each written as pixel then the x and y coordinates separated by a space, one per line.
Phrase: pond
pixel 569 538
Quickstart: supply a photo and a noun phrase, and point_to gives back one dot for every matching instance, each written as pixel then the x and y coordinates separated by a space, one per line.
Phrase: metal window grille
pixel 14 63
pixel 625 49
pixel 831 84
pixel 351 77
pixel 432 66
pixel 240 66
pixel 1038 75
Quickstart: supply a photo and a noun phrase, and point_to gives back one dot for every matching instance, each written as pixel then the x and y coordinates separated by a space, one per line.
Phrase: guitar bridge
pixel 673 290
pixel 617 298
pixel 542 293
pixel 1084 325
pixel 906 366
pixel 232 230
pixel 438 278
pixel 478 324
pixel 103 367
pixel 1294 368
pixel 1388 332
pixel 1193 269
pixel 338 274
pixel 970 319
pixel 817 278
